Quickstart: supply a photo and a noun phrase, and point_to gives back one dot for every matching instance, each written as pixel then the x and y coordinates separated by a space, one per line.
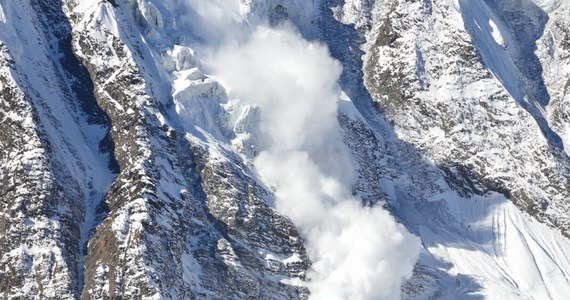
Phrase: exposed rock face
pixel 182 223
pixel 51 134
pixel 148 213
pixel 126 172
pixel 476 111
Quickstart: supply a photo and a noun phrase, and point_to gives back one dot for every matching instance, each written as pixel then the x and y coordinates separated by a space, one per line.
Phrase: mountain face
pixel 284 149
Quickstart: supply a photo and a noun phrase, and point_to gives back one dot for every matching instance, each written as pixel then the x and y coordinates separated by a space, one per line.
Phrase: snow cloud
pixel 358 252
pixel 213 21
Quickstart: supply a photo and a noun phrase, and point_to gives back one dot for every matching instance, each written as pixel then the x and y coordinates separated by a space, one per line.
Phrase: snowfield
pixel 505 254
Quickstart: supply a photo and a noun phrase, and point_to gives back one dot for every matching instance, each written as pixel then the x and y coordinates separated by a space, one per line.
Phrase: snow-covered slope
pixel 215 150
pixel 56 162
pixel 462 84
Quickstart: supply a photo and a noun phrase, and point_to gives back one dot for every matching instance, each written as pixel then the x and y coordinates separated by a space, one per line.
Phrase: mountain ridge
pixel 129 170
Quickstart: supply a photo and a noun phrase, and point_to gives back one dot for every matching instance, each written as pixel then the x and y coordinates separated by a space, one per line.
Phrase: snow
pixel 481 23
pixel 192 269
pixel 208 115
pixel 107 16
pixel 346 107
pixel 198 101
pixel 488 246
pixel 2 16
pixel 76 141
pixel 357 251
pixel 458 233
pixel 507 252
pixel 496 33
pixel 85 6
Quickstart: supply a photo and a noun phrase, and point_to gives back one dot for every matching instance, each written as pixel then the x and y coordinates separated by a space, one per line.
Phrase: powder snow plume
pixel 357 252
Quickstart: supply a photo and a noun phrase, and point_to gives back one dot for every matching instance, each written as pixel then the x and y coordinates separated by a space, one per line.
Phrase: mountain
pixel 284 149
